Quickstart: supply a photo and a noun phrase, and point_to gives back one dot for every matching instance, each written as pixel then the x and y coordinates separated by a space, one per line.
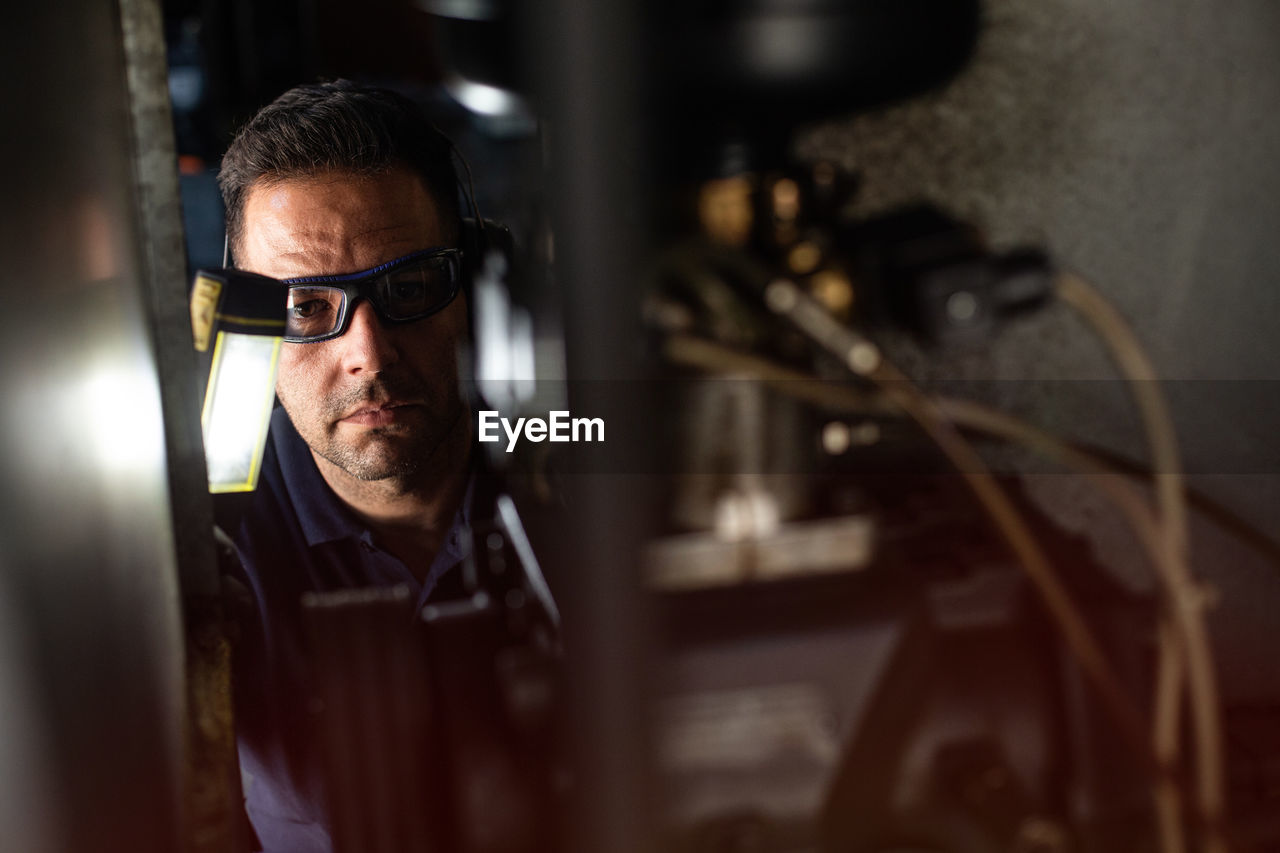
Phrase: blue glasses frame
pixel 378 285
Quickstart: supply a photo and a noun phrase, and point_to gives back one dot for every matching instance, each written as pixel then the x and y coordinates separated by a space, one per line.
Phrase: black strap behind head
pixel 477 233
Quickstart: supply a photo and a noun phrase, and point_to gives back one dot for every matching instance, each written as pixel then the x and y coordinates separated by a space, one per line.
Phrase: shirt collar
pixel 321 514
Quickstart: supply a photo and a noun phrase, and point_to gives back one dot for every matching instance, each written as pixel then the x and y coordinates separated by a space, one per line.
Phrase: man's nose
pixel 366 346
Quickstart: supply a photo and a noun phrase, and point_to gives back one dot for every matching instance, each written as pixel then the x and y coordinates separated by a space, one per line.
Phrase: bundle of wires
pixel 1185 666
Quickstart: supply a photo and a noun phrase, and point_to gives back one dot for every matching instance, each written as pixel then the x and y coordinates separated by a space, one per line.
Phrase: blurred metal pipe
pixel 88 545
pixel 587 59
pixel 164 287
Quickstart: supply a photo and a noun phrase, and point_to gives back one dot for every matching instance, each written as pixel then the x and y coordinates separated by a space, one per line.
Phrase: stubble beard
pixel 400 452
pixel 386 454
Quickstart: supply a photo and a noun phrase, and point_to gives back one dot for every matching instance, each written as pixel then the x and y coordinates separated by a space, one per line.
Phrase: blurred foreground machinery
pixel 853 659
pixel 858 649
pixel 864 641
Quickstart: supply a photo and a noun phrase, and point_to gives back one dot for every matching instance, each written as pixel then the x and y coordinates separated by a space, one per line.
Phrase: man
pixel 349 195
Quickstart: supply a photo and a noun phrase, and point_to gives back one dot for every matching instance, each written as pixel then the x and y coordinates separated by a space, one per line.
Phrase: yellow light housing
pixel 242 315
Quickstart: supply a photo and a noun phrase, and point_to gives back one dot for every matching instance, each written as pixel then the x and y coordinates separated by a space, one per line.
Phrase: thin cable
pixel 861 356
pixel 1167 722
pixel 1133 362
pixel 1153 538
pixel 1113 482
pixel 1109 477
pixel 708 355
pixel 470 185
pixel 1185 602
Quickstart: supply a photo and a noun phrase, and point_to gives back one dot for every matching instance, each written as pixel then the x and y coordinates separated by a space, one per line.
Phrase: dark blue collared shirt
pixel 297 536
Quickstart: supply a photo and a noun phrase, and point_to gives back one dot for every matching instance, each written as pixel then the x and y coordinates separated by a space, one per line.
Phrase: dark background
pixel 1138 142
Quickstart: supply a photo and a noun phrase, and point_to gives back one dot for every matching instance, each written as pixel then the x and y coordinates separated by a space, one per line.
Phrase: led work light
pixel 242 315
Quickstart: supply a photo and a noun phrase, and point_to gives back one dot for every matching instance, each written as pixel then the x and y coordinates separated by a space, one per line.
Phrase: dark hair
pixel 340 126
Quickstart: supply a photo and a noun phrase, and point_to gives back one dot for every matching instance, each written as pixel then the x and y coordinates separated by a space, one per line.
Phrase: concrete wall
pixel 1140 142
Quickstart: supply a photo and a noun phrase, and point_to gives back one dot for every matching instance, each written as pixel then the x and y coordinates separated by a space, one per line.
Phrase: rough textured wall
pixel 1140 142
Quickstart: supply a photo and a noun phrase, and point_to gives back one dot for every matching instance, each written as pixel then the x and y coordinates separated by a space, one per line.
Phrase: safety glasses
pixel 406 289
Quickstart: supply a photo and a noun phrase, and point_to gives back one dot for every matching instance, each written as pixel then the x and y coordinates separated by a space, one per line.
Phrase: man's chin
pixel 400 450
pixel 373 470
pixel 381 458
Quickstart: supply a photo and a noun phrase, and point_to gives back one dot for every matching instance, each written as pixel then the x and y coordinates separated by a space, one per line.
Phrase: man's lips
pixel 379 415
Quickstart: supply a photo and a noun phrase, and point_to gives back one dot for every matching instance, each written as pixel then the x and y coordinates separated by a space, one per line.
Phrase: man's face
pixel 378 400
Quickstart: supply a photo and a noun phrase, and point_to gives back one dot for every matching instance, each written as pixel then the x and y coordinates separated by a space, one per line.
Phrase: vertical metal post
pixel 586 56
pixel 211 808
